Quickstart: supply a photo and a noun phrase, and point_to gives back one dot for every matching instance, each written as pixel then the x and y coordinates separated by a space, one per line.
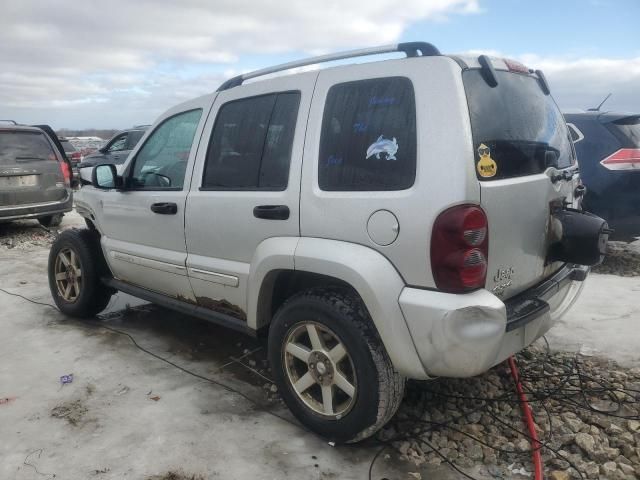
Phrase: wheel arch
pixel 284 266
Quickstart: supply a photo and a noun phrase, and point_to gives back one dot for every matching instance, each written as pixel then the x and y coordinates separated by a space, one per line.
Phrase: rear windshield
pixel 517 129
pixel 627 130
pixel 17 147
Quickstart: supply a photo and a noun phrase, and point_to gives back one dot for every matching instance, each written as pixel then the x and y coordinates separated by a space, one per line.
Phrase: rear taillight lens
pixel 459 249
pixel 76 156
pixel 66 172
pixel 623 159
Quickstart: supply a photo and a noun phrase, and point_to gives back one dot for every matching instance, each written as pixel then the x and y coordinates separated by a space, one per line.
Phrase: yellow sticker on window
pixel 486 166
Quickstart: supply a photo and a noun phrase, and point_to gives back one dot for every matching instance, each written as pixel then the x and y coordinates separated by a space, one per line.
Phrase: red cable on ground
pixel 528 417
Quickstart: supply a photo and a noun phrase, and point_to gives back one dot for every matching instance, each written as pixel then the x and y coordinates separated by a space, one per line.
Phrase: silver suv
pixel 406 218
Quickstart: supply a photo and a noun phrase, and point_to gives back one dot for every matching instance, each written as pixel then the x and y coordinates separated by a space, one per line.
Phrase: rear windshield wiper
pixel 26 159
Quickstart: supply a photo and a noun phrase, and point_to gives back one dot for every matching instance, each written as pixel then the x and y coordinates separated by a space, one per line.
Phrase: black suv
pixel 608 149
pixel 35 174
pixel 115 151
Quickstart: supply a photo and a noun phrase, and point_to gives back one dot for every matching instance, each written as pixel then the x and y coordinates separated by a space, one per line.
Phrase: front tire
pixel 330 365
pixel 75 268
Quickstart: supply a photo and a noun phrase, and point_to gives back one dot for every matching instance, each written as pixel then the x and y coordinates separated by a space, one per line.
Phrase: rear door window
pixel 368 139
pixel 250 145
pixel 517 129
pixel 18 147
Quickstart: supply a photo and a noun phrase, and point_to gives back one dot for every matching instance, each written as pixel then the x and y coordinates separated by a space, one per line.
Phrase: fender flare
pixel 370 274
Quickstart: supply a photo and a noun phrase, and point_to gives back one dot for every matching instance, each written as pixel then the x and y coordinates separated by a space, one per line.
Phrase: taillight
pixel 623 159
pixel 459 249
pixel 515 66
pixel 66 172
pixel 76 156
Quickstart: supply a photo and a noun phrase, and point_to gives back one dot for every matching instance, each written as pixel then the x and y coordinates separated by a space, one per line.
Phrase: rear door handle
pixel 271 212
pixel 164 208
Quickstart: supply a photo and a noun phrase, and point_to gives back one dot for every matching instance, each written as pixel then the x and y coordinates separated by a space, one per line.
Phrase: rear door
pixel 246 185
pixel 29 169
pixel 523 160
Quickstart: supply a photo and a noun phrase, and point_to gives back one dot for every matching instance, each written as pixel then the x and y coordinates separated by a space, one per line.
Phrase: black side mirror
pixel 105 177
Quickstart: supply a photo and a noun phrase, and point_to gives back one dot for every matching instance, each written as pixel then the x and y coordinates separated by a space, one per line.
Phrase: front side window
pixel 250 145
pixel 118 144
pixel 368 139
pixel 162 160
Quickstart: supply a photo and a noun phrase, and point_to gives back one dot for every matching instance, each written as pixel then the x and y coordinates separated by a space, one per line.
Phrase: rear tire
pixel 75 268
pixel 305 373
pixel 51 220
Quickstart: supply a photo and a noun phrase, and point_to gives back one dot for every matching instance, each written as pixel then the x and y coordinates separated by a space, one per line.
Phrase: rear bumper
pixel 465 335
pixel 36 210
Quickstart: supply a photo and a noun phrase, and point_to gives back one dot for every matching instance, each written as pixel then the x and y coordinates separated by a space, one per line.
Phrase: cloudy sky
pixel 119 63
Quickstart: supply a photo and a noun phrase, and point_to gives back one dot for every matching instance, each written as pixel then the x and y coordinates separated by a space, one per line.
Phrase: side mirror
pixel 105 176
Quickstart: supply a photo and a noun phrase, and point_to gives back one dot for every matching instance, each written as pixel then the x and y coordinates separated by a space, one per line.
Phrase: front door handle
pixel 164 208
pixel 271 212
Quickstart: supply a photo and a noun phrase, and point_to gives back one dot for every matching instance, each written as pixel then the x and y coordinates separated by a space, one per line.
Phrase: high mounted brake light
pixel 623 159
pixel 515 66
pixel 459 249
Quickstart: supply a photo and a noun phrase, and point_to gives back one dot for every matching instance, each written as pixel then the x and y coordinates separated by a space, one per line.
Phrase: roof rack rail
pixel 411 49
pixel 10 121
pixel 140 126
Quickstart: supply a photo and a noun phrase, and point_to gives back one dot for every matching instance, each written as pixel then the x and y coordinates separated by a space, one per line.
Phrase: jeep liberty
pixel 408 218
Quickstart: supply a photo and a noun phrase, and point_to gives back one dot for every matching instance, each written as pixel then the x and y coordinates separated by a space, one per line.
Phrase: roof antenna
pixel 602 103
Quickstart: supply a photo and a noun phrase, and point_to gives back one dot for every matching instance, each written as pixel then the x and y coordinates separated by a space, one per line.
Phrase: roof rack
pixel 140 126
pixel 411 49
pixel 10 121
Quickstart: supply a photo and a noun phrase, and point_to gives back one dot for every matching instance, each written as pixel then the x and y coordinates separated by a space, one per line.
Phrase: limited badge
pixel 486 166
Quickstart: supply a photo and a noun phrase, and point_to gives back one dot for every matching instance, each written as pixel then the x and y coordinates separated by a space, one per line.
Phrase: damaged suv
pixel 406 218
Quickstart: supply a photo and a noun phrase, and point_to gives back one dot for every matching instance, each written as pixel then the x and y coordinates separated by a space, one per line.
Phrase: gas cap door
pixel 383 227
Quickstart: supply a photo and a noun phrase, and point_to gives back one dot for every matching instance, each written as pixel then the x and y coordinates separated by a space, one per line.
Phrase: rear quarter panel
pixel 444 173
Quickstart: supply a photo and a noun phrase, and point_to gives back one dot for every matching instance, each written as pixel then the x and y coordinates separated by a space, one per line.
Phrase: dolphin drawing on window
pixel 383 145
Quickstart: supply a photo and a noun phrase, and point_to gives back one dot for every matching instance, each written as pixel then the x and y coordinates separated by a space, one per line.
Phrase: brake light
pixel 76 156
pixel 515 66
pixel 460 248
pixel 623 159
pixel 66 172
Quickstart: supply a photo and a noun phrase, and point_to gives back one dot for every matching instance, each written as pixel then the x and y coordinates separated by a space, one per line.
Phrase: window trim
pixel 580 135
pixel 415 111
pixel 202 188
pixel 130 168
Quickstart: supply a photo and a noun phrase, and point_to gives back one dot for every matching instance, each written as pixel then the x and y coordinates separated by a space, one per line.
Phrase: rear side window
pixel 18 147
pixel 576 135
pixel 627 130
pixel 517 129
pixel 368 139
pixel 250 145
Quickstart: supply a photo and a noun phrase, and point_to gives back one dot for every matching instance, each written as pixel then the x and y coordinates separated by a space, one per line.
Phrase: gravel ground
pixel 622 259
pixel 587 413
pixel 30 235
